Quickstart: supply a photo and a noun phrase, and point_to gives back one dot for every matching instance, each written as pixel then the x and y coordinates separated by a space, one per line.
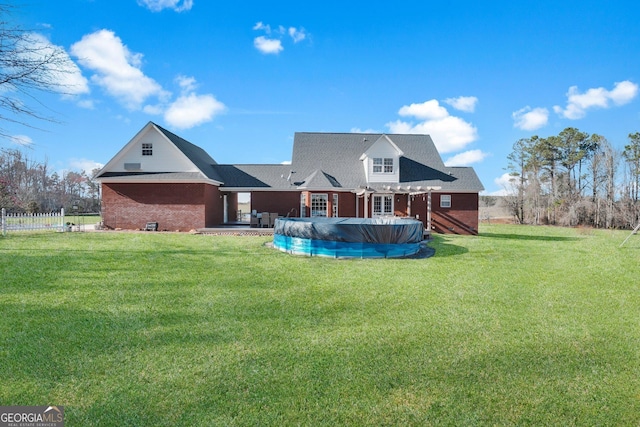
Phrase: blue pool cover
pixel 349 237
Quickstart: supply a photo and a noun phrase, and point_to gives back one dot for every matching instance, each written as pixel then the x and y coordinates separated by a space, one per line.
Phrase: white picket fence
pixel 29 222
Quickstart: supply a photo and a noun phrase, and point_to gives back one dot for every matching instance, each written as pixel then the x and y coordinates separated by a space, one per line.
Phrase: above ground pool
pixel 349 237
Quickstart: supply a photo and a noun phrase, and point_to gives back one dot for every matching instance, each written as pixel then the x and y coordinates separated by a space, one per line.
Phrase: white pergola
pixel 365 192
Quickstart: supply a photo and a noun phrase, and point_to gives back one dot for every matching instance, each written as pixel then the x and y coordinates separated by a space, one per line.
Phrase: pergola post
pixel 366 204
pixel 429 211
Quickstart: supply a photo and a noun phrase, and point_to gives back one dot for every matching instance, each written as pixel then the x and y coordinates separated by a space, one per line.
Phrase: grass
pixel 518 326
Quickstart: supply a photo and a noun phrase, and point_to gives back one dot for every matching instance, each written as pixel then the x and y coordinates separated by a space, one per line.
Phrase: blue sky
pixel 238 79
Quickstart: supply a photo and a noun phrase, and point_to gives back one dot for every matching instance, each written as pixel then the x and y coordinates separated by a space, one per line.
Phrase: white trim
pixel 124 180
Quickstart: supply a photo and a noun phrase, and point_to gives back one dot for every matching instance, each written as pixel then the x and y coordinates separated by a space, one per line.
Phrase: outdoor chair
pixel 265 220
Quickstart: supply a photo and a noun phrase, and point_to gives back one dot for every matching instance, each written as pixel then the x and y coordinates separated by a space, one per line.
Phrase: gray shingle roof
pixel 197 155
pixel 338 154
pixel 327 161
pixel 255 176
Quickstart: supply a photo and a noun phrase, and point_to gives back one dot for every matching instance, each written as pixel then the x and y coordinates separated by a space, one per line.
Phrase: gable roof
pixel 194 154
pixel 382 140
pixel 319 180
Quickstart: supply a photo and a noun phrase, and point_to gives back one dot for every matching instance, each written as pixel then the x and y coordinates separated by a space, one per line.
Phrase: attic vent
pixel 132 166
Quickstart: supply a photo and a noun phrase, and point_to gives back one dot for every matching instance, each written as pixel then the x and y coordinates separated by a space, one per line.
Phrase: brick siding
pixel 175 207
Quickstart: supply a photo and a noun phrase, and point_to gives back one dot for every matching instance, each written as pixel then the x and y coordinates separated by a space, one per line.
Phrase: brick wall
pixel 185 207
pixel 460 218
pixel 214 206
pixel 273 201
pixel 173 206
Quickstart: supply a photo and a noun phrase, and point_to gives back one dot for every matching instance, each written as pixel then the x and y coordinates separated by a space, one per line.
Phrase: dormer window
pixel 147 149
pixel 382 165
pixel 388 165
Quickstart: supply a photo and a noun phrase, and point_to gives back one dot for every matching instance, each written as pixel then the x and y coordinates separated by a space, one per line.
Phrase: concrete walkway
pixel 236 230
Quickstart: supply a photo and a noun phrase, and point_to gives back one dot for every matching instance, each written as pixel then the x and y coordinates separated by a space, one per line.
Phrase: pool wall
pixel 349 237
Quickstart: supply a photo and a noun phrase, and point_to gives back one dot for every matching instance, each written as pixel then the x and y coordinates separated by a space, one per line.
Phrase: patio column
pixel 366 204
pixel 429 211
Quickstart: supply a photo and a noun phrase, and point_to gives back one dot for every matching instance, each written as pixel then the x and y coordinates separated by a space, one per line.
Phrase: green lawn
pixel 518 326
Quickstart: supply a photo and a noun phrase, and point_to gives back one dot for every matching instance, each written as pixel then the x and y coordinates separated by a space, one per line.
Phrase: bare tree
pixel 518 162
pixel 29 64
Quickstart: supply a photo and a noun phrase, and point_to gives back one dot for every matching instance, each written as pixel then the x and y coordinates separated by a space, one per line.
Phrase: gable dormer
pixel 381 161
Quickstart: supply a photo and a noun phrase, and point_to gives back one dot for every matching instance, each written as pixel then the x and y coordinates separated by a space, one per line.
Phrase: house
pixel 160 177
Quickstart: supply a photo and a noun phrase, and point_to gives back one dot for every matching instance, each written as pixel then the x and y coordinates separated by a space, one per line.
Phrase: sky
pixel 239 79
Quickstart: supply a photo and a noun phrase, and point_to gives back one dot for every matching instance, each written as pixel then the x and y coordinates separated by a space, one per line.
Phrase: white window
pixel 388 165
pixel 319 204
pixel 382 165
pixel 303 205
pixel 377 165
pixel 147 149
pixel 334 207
pixel 382 205
pixel 445 201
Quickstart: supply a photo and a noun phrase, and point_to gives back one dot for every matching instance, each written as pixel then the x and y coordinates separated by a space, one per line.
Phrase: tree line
pixel 30 186
pixel 575 178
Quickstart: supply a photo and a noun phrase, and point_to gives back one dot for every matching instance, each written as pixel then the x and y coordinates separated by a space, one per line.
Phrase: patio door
pixel 319 204
pixel 382 205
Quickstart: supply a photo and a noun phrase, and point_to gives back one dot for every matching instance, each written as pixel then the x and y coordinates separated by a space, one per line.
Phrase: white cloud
pixel 449 133
pixel 530 119
pixel 268 46
pixel 22 140
pixel 186 83
pixel 623 92
pixel 297 34
pixel 190 109
pixel 158 5
pixel 578 103
pixel 154 110
pixel 507 182
pixel 118 72
pixel 358 130
pixel 87 104
pixel 466 158
pixel 463 103
pixel 273 43
pixel 65 73
pixel 260 26
pixel 427 110
pixel 117 69
pixel 85 165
